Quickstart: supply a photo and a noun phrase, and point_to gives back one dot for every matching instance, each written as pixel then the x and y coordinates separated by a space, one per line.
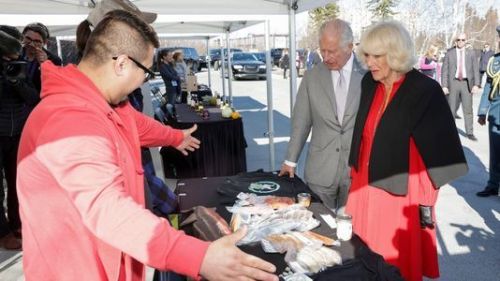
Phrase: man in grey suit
pixel 460 79
pixel 327 103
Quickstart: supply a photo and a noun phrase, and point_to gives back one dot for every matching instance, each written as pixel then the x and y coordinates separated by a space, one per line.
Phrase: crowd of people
pixel 304 60
pixel 377 117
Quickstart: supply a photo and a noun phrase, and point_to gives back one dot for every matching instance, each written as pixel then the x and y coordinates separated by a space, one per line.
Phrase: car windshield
pixel 260 55
pixel 244 56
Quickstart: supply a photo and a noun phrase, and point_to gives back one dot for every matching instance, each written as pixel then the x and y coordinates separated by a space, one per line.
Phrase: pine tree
pixel 382 9
pixel 320 15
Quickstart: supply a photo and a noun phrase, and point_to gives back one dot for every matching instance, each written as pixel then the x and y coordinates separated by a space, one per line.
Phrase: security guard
pixel 490 105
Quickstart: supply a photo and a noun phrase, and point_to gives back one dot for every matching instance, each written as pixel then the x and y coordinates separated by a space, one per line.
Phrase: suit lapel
pixel 327 85
pixel 354 85
pixel 453 63
pixel 469 69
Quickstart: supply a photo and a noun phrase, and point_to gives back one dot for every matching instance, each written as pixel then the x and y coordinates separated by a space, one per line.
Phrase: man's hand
pixel 481 119
pixel 446 91
pixel 189 143
pixel 287 170
pixel 40 55
pixel 475 90
pixel 224 261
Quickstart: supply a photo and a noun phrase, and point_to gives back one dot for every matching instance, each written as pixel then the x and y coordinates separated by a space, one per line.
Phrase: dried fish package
pixel 311 260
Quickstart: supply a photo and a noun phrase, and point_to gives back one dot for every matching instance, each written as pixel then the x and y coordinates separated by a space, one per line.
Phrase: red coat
pixel 81 188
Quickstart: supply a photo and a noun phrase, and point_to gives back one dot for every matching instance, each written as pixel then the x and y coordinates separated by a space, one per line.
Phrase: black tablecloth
pixel 359 262
pixel 222 151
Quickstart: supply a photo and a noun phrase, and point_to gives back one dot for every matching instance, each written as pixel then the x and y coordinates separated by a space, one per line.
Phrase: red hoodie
pixel 81 188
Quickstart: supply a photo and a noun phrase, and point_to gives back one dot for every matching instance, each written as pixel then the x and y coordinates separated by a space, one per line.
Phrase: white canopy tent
pixel 189 7
pixel 166 7
pixel 175 28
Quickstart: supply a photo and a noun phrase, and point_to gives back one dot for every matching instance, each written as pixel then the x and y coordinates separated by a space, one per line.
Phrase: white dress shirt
pixel 341 94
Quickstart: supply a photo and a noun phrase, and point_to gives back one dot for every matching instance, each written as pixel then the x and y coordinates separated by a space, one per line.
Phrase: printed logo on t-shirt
pixel 264 187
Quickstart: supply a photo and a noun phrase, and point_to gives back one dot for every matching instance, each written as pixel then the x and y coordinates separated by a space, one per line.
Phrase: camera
pixel 13 70
pixel 10 47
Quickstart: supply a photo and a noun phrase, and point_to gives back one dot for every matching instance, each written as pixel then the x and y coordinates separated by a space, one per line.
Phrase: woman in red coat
pixel 405 146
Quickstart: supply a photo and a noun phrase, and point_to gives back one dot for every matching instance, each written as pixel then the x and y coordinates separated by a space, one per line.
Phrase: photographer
pixel 17 99
pixel 35 38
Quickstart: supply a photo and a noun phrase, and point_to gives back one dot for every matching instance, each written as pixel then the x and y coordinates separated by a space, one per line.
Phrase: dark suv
pixel 215 56
pixel 276 55
pixel 191 56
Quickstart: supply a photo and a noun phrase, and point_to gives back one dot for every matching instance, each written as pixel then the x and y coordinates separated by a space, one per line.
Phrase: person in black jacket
pixel 170 78
pixel 405 146
pixel 35 37
pixel 486 54
pixel 17 98
pixel 284 62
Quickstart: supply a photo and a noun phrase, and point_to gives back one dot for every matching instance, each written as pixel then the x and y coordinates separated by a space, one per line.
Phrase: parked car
pixel 260 56
pixel 215 58
pixel 246 65
pixel 191 57
pixel 204 59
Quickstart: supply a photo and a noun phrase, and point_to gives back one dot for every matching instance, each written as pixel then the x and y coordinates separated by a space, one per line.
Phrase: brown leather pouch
pixel 206 224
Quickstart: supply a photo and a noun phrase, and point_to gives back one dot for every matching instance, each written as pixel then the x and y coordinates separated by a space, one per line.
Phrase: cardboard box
pixel 192 83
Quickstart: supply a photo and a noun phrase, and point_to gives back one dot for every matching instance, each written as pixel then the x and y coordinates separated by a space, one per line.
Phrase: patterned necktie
pixel 341 95
pixel 460 64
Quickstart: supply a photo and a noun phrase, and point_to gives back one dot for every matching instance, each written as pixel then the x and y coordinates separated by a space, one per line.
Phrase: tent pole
pixel 222 71
pixel 59 48
pixel 270 110
pixel 148 110
pixel 292 53
pixel 229 69
pixel 207 59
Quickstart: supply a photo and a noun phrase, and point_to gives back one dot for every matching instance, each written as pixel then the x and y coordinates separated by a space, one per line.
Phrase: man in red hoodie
pixel 80 178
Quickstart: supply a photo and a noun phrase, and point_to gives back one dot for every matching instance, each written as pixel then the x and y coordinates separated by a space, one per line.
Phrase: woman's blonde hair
pixel 431 51
pixel 392 39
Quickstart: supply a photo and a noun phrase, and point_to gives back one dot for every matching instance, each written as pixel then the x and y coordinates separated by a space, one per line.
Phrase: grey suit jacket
pixel 449 68
pixel 315 109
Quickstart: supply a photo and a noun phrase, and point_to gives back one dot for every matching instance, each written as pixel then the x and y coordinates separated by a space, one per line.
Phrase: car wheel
pixel 216 65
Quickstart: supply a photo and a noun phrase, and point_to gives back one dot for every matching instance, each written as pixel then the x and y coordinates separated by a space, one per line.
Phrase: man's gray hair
pixel 339 27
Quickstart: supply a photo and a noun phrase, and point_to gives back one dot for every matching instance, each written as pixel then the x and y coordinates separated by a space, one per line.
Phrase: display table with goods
pixel 222 149
pixel 300 239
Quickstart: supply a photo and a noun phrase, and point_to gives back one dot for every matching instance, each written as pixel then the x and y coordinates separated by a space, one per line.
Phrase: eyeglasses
pixel 148 74
pixel 463 40
pixel 29 40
